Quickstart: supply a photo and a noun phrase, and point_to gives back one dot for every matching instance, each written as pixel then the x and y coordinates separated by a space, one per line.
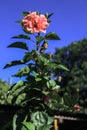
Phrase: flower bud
pixel 59 78
pixel 77 108
pixel 44 47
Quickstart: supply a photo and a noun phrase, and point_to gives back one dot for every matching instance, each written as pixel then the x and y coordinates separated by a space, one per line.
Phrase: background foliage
pixel 74 56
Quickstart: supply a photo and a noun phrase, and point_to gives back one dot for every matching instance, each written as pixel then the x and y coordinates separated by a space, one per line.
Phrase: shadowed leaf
pixel 39 38
pixel 25 13
pixel 52 36
pixel 20 45
pixel 19 21
pixel 48 15
pixel 22 36
pixel 13 63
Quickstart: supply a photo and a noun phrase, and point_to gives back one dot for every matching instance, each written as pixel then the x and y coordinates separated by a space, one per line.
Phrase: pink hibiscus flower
pixel 35 23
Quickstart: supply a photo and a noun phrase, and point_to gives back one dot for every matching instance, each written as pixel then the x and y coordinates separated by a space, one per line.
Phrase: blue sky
pixel 69 22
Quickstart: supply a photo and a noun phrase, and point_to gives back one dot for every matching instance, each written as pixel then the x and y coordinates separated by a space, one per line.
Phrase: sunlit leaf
pixel 45 127
pixel 62 67
pixel 29 125
pixel 22 72
pixel 16 86
pixel 17 121
pixel 41 118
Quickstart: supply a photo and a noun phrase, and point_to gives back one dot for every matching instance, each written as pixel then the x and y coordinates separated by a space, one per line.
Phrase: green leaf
pixel 56 65
pixel 26 31
pixel 19 21
pixel 13 63
pixel 43 60
pixel 48 15
pixel 45 127
pixel 35 74
pixel 22 72
pixel 17 119
pixel 56 87
pixel 27 57
pixel 29 125
pixel 20 45
pixel 25 13
pixel 70 101
pixel 45 92
pixel 67 100
pixel 51 84
pixel 22 36
pixel 14 121
pixel 38 79
pixel 62 67
pixel 52 36
pixel 30 56
pixel 16 86
pixel 39 38
pixel 55 101
pixel 41 119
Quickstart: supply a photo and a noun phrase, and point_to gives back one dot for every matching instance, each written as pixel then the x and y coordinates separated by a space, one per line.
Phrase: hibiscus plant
pixel 40 94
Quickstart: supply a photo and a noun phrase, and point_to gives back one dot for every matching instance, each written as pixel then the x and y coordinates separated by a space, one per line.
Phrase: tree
pixel 4 87
pixel 74 56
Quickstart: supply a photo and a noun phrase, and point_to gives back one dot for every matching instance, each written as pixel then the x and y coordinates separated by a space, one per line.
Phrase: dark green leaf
pixel 19 21
pixel 37 12
pixel 30 56
pixel 25 13
pixel 13 101
pixel 22 36
pixel 52 36
pixel 48 15
pixel 55 101
pixel 20 45
pixel 13 63
pixel 27 32
pixel 27 57
pixel 67 100
pixel 59 66
pixel 39 38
